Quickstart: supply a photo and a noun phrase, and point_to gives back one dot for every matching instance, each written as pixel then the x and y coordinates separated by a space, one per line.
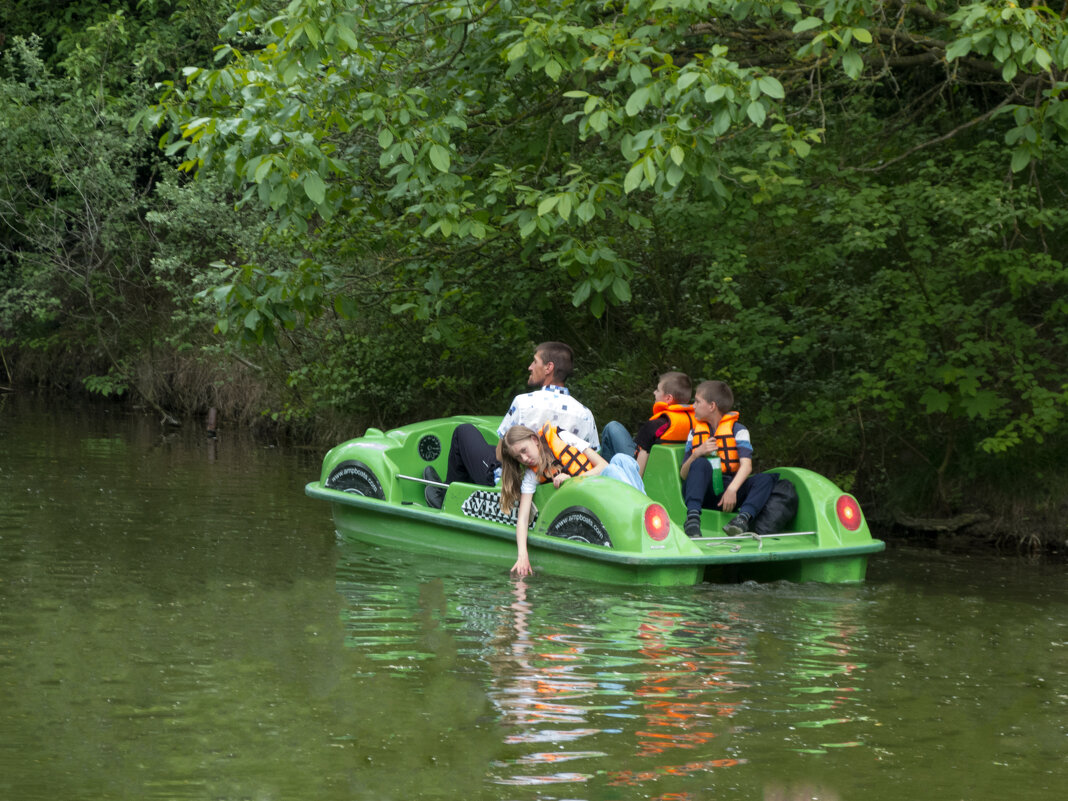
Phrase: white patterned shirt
pixel 552 404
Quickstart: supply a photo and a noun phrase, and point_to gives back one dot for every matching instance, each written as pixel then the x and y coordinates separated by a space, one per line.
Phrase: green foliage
pixel 645 186
pixel 114 383
pixel 72 201
pixel 114 43
pixel 76 250
pixel 361 126
pixel 913 313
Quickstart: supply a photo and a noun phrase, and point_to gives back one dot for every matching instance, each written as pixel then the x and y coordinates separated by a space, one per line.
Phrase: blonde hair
pixel 512 470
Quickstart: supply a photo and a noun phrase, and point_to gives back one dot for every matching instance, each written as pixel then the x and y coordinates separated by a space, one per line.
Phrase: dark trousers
pixel 471 458
pixel 699 492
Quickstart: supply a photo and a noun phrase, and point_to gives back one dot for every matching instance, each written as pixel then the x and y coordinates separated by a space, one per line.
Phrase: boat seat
pixel 662 481
pixel 430 447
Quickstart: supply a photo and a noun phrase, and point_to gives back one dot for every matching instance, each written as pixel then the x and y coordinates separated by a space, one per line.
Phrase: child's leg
pixel 754 493
pixel 625 468
pixel 616 439
pixel 697 490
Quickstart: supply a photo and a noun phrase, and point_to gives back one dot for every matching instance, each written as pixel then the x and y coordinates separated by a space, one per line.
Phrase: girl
pixel 529 458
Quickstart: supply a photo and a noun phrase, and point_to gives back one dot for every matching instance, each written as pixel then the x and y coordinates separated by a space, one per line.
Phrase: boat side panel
pixel 499 554
pixel 405 451
pixel 620 508
pixel 412 527
pixel 817 497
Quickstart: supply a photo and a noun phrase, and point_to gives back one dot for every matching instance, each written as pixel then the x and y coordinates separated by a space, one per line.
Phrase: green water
pixel 177 621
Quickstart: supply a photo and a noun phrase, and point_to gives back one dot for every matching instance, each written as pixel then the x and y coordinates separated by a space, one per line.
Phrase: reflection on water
pixel 670 689
pixel 658 691
pixel 755 691
pixel 178 621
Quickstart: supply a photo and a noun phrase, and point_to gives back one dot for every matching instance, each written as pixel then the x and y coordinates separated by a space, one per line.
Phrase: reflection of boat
pixel 593 527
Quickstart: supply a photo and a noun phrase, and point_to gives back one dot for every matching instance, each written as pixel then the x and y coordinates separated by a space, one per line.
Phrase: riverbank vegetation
pixel 325 215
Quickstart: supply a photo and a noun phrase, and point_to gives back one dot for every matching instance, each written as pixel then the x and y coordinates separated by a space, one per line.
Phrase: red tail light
pixel 657 524
pixel 848 512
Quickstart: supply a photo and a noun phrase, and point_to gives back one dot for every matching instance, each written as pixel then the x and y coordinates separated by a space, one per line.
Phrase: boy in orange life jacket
pixel 718 432
pixel 671 421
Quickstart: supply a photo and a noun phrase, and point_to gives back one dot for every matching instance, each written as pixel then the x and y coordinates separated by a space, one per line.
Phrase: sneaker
pixel 692 526
pixel 738 526
pixel 435 496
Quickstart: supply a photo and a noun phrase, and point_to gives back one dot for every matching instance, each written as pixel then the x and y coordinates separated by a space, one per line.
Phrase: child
pixel 718 433
pixel 529 459
pixel 671 421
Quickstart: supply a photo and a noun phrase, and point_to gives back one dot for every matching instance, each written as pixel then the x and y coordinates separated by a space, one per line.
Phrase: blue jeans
pixel 623 467
pixel 698 491
pixel 616 439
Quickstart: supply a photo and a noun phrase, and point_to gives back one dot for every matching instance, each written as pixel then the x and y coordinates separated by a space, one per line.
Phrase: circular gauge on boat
pixel 429 448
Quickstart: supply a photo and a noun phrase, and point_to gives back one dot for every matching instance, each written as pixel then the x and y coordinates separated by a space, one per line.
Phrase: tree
pixel 77 278
pixel 407 151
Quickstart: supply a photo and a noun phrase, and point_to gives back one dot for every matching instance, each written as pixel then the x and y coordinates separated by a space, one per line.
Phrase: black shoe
pixel 738 526
pixel 692 526
pixel 435 496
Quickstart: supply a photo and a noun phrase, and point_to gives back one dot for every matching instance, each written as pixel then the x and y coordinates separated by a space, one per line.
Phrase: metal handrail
pixel 423 481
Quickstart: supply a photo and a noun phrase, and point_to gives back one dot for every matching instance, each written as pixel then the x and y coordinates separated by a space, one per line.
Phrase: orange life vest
pixel 568 458
pixel 725 442
pixel 680 420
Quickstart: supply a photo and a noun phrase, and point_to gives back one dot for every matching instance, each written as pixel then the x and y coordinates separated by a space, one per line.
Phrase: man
pixel 474 460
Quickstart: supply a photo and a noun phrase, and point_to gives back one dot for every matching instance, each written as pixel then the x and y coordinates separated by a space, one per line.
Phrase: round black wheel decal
pixel 357 478
pixel 580 524
pixel 429 448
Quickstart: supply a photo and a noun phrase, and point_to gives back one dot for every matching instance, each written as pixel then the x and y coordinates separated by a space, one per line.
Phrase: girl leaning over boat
pixel 529 458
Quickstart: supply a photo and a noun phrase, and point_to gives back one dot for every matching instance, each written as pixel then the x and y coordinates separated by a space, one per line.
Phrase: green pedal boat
pixel 591 528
